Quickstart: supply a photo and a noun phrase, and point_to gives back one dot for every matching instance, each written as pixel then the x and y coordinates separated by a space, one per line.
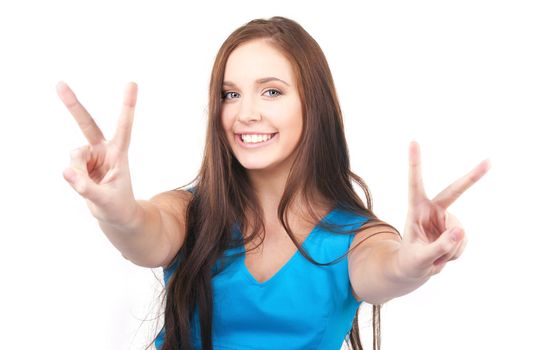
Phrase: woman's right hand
pixel 99 171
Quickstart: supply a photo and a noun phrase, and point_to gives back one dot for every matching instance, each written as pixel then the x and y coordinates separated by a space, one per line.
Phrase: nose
pixel 248 111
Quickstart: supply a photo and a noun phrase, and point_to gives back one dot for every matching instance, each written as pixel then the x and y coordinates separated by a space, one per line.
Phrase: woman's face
pixel 261 107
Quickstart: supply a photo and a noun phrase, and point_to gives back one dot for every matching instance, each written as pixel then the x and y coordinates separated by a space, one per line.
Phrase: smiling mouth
pixel 251 141
pixel 256 138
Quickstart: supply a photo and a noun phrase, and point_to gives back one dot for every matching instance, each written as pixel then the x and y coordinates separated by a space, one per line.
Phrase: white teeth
pixel 255 138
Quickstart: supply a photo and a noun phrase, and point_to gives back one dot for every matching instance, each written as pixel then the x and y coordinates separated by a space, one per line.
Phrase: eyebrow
pixel 258 82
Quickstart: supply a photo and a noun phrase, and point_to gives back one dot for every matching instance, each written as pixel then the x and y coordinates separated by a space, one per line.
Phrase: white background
pixel 460 77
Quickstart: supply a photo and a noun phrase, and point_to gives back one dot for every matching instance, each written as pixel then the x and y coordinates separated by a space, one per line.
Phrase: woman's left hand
pixel 432 236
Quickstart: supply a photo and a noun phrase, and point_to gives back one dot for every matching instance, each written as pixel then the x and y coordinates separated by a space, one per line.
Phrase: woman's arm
pixel 156 232
pixel 373 269
pixel 380 269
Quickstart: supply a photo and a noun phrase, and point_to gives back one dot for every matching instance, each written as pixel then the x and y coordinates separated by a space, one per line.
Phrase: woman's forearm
pixel 391 281
pixel 142 241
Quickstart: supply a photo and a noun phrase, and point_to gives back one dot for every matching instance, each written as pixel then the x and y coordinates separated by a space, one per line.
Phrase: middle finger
pixel 85 121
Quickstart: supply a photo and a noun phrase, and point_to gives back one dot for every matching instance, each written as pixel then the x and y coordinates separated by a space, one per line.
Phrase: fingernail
pixel 70 174
pixel 455 234
pixel 488 164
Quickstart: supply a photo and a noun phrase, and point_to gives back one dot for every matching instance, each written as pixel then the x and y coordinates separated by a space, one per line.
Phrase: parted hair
pixel 223 194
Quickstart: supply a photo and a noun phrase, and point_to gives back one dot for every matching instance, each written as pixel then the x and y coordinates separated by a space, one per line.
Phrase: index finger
pixel 84 120
pixel 449 195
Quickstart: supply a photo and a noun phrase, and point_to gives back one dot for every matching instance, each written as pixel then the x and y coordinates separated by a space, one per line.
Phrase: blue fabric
pixel 303 306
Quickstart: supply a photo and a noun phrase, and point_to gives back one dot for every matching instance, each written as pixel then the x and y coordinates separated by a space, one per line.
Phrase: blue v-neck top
pixel 302 307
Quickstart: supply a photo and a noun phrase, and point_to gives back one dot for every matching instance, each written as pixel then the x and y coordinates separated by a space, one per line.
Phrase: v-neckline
pixel 287 263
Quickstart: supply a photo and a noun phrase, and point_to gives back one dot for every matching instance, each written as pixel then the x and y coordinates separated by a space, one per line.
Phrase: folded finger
pixel 77 174
pixel 460 250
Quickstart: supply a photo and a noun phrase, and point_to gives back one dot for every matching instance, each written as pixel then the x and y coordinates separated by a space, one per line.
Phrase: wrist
pixel 136 218
pixel 402 272
pixel 133 219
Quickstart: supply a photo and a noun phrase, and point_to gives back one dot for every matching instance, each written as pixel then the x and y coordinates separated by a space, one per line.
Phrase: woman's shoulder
pixel 173 200
pixel 343 215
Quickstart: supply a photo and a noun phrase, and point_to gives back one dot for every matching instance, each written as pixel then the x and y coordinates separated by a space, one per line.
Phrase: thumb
pixel 445 244
pixel 77 174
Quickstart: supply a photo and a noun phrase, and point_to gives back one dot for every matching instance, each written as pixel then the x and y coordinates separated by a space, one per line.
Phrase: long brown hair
pixel 224 194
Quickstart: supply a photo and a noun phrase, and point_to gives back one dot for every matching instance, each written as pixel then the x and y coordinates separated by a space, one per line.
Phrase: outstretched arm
pixel 383 268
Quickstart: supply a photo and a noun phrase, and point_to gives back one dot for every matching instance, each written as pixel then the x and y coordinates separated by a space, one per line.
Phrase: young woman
pixel 271 248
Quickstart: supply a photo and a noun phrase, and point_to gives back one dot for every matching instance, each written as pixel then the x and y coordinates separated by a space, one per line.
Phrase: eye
pixel 278 93
pixel 224 94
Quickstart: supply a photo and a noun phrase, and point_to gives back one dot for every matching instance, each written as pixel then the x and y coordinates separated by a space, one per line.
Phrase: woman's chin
pixel 260 163
pixel 255 165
